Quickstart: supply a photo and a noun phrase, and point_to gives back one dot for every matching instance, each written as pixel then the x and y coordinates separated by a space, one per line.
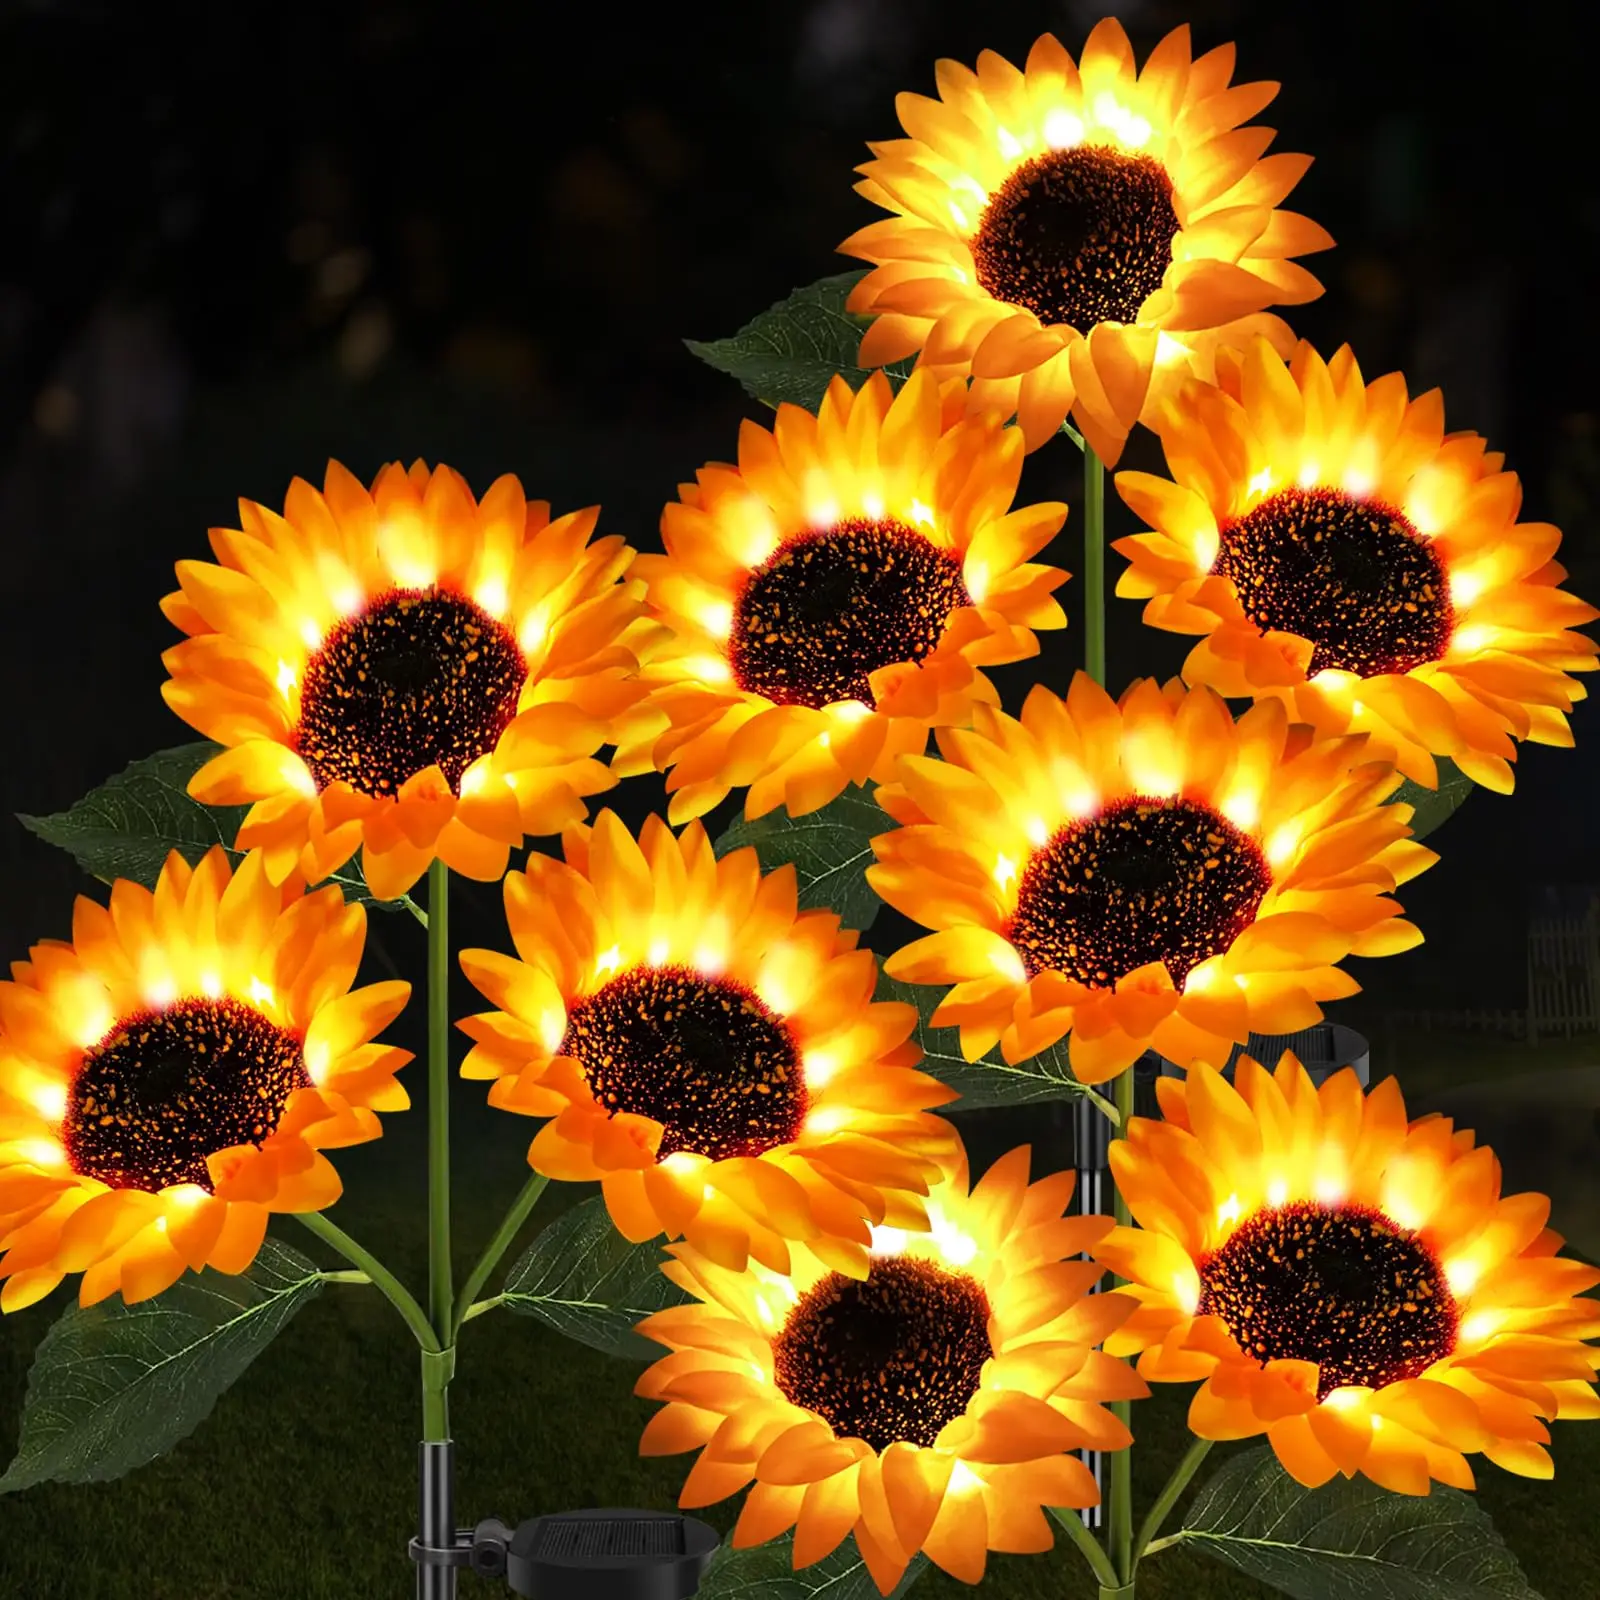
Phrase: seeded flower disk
pixel 1144 874
pixel 708 1052
pixel 835 595
pixel 408 672
pixel 1343 554
pixel 1351 1285
pixel 925 1406
pixel 1077 237
pixel 172 1075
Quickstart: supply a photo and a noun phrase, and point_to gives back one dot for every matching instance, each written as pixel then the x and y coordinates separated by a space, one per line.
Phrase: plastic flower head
pixel 1149 874
pixel 1340 552
pixel 924 1407
pixel 711 1055
pixel 1354 1287
pixel 1079 236
pixel 405 671
pixel 172 1075
pixel 835 595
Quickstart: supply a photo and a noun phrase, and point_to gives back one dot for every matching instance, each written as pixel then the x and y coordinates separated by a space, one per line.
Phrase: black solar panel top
pixel 595 1538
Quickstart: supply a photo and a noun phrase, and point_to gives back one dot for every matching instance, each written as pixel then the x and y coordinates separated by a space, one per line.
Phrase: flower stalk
pixel 465 1308
pixel 441 1296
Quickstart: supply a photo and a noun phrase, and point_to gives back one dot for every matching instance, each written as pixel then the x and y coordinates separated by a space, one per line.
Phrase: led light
pixel 1186 1291
pixel 1261 482
pixel 1010 145
pixel 316 1060
pixel 1229 1212
pixel 534 631
pixel 1008 964
pixel 659 949
pixel 159 993
pixel 474 778
pixel 709 961
pixel 976 578
pixel 1169 350
pixel 609 961
pixel 286 679
pixel 1005 871
pixel 1465 587
pixel 552 1030
pixel 1277 1192
pixel 887 1241
pixel 680 1163
pixel 1471 640
pixel 708 669
pixel 211 985
pixel 959 217
pixel 1343 1398
pixel 827 1119
pixel 963 1480
pixel 1329 1189
pixel 311 634
pixel 1462 1274
pixel 921 514
pixel 261 993
pixel 49 1100
pixel 822 513
pixel 42 1152
pixel 716 617
pixel 1481 1326
pixel 1309 473
pixel 818 1066
pixel 491 595
pixel 872 504
pixel 1282 843
pixel 1062 130
pixel 1242 809
pixel 849 710
pixel 1036 831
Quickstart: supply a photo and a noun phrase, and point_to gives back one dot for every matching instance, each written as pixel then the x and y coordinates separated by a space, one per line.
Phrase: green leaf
pixel 792 351
pixel 988 1081
pixel 766 1572
pixel 584 1279
pixel 129 825
pixel 114 1386
pixel 1434 806
pixel 829 849
pixel 1350 1538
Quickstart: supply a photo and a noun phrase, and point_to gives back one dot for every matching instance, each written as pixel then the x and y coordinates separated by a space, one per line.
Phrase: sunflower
pixel 925 1406
pixel 1149 874
pixel 1340 552
pixel 171 1076
pixel 407 671
pixel 1352 1286
pixel 712 1056
pixel 834 595
pixel 1077 238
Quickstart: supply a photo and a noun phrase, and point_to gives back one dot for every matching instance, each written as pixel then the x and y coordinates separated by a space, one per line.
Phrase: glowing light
pixel 534 631
pixel 1356 708
pixel 1186 1291
pixel 1080 801
pixel 311 634
pixel 261 993
pixel 825 739
pixel 185 1196
pixel 659 950
pixel 159 993
pixel 1462 1274
pixel 1465 587
pixel 299 774
pixel 552 1030
pixel 921 514
pixel 1008 964
pixel 1036 831
pixel 1471 640
pixel 1282 843
pixel 759 1371
pixel 42 1152
pixel 1062 130
pixel 887 1241
pixel 1242 808
pixel 1201 979
pixel 768 1317
pixel 977 580
pixel 1277 1193
pixel 710 960
pixel 1344 1398
pixel 347 598
pixel 287 679
pixel 1398 1204
pixel 827 1119
pixel 963 1480
pixel 1005 871
pixel 608 963
pixel 492 596
pixel 1481 1326
pixel 211 985
pixel 872 504
pixel 316 1060
pixel 759 530
pixel 708 669
pixel 680 1163
pixel 1309 473
pixel 1330 1188
pixel 1010 145
pixel 1169 350
pixel 94 1017
pixel 818 1066
pixel 1357 483
pixel 474 778
pixel 1261 482
pixel 716 617
pixel 955 1246
pixel 49 1100
pixel 1229 1212
pixel 822 513
pixel 161 1224
pixel 850 710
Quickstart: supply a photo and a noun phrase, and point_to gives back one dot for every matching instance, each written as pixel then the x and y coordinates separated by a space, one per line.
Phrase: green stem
pixel 1168 1498
pixel 1120 1488
pixel 1089 1546
pixel 401 1297
pixel 411 905
pixel 441 1297
pixel 345 1277
pixel 507 1231
pixel 1094 566
pixel 478 1308
pixel 1104 1106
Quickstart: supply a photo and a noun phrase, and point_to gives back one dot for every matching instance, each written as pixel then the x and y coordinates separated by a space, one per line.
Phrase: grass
pixel 302 1483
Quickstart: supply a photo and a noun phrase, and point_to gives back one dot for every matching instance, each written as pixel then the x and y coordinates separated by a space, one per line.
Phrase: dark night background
pixel 239 240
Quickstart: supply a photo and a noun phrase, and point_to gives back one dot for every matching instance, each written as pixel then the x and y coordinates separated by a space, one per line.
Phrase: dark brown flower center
pixel 896 1357
pixel 165 1089
pixel 1339 1285
pixel 830 608
pixel 1078 236
pixel 1141 881
pixel 421 678
pixel 703 1057
pixel 1352 576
